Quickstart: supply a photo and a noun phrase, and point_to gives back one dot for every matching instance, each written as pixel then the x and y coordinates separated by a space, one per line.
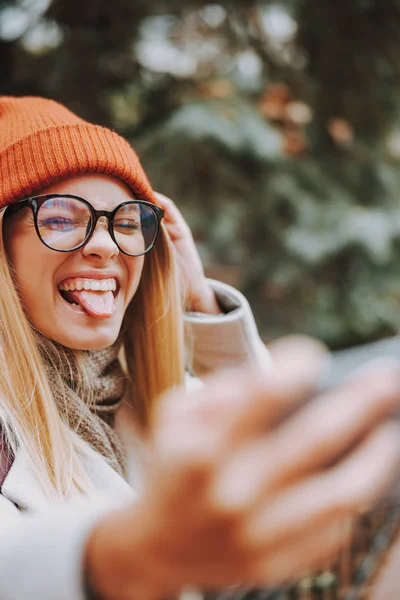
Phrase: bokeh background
pixel 275 126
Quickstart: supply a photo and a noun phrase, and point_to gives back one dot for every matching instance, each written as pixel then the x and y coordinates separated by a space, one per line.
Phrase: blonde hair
pixel 154 355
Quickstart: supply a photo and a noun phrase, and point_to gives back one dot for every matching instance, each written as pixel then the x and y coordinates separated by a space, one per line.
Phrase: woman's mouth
pixel 95 297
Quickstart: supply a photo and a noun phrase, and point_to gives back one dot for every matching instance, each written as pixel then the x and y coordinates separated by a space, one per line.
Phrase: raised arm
pixel 220 326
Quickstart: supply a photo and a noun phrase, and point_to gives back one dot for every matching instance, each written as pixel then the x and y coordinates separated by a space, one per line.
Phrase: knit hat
pixel 42 143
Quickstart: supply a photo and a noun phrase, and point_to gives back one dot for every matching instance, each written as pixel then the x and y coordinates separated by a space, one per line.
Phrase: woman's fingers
pixel 280 348
pixel 237 404
pixel 371 469
pixel 313 549
pixel 313 438
pixel 322 431
pixel 173 218
pixel 358 481
pixel 194 436
pixel 263 398
pixel 166 204
pixel 316 436
pixel 316 536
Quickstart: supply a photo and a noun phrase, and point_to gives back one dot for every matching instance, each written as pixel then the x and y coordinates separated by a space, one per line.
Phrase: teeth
pixel 95 285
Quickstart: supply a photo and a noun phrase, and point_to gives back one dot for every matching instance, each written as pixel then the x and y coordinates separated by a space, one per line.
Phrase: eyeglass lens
pixel 64 223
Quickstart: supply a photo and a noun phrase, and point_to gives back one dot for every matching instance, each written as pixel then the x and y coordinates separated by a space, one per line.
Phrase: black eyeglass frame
pixel 35 202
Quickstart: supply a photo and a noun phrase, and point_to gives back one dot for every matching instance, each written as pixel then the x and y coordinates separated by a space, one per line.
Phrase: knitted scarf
pixel 88 388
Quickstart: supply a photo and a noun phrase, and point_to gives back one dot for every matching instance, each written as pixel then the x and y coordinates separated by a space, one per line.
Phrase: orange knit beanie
pixel 42 143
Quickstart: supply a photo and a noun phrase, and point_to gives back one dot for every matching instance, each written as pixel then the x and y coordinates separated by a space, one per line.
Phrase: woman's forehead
pixel 102 191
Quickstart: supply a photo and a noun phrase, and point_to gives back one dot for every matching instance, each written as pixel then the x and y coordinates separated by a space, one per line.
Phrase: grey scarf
pixel 88 388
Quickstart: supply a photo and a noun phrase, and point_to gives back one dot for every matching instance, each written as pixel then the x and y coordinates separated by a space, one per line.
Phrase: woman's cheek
pixel 135 271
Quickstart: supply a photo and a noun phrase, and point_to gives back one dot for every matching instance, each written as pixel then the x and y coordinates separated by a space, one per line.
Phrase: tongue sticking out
pixel 97 304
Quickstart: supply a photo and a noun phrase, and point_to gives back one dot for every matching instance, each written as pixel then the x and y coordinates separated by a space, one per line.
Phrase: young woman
pixel 106 490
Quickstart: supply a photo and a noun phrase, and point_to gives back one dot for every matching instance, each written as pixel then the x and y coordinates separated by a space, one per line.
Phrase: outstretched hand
pixel 250 483
pixel 200 296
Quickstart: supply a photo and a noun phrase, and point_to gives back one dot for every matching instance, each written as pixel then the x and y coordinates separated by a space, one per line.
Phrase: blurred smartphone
pixel 348 363
pixel 345 364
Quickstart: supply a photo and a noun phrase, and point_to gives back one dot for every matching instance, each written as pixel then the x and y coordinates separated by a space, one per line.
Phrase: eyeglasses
pixel 65 223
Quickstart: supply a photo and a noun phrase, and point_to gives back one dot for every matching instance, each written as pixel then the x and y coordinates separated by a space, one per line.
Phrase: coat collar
pixel 23 490
pixel 20 486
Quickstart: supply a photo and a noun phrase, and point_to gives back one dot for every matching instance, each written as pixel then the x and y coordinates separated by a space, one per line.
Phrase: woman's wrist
pixel 205 301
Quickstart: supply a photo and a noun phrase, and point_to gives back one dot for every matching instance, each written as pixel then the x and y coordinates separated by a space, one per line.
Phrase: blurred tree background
pixel 274 125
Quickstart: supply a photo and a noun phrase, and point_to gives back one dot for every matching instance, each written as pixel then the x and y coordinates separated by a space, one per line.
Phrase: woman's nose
pixel 100 243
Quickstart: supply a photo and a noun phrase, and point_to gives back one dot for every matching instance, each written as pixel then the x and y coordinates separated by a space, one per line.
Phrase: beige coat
pixel 41 546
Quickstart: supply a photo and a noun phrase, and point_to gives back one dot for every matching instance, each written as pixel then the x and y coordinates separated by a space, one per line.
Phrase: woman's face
pixel 52 284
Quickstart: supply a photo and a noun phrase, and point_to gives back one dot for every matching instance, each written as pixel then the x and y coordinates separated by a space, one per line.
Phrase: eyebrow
pixel 56 202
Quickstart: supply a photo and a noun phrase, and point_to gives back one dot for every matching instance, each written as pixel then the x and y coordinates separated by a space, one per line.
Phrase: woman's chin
pixel 85 338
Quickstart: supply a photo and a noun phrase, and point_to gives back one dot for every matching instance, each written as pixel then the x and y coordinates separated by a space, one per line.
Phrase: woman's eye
pixel 127 225
pixel 58 223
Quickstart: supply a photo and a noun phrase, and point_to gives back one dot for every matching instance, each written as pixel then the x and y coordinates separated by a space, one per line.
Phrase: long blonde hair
pixel 154 356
